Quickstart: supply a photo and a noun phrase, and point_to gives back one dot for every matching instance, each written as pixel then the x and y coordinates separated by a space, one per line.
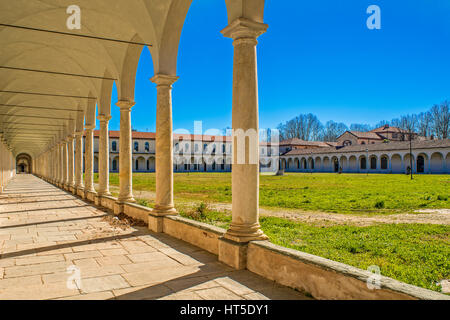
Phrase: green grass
pixel 413 253
pixel 327 192
pixel 417 254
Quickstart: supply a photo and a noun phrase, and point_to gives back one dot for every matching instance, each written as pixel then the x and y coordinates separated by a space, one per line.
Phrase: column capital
pixel 125 104
pixel 244 28
pixel 77 133
pixel 89 127
pixel 102 117
pixel 163 79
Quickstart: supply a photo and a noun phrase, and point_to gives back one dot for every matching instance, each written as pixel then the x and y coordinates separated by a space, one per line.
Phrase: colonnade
pixel 62 163
pixel 433 161
pixel 7 164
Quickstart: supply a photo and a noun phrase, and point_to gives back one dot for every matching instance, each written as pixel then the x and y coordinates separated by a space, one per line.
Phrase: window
pixel 196 148
pixel 363 142
pixel 176 147
pixel 373 163
pixel 223 148
pixel 137 164
pixel 205 146
pixel 136 146
pixel 262 151
pixel 148 164
pixel 147 146
pixel 114 165
pixel 394 135
pixel 214 149
pixel 114 146
pixel 186 147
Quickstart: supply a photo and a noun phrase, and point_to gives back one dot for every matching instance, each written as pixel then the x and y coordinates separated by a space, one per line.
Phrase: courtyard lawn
pixel 418 254
pixel 327 192
pixel 413 253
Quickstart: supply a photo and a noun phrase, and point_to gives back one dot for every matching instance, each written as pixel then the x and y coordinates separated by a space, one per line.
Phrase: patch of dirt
pixel 428 216
pixel 123 221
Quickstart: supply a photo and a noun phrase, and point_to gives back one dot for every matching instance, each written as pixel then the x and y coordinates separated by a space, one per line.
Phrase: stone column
pixel 65 175
pixel 57 163
pixel 245 173
pixel 103 156
pixel 164 145
pixel 61 166
pixel 125 154
pixel 89 160
pixel 79 160
pixel 71 172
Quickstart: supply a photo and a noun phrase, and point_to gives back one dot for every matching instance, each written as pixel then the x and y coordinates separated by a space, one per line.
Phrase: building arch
pixel 326 164
pixel 352 164
pixel 422 163
pixel 437 164
pixel 24 163
pixel 384 162
pixel 373 165
pixel 396 163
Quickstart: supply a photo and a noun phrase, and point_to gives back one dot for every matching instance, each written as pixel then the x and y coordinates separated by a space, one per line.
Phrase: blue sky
pixel 317 56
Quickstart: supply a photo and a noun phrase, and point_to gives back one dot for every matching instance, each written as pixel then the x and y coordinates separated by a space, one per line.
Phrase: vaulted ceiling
pixel 40 108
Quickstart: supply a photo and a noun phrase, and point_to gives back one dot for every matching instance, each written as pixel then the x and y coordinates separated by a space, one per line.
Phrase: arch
pixel 363 163
pixel 373 162
pixel 318 164
pixel 297 163
pixel 304 164
pixel 343 164
pixel 140 164
pixel 384 162
pixel 289 164
pixel 24 163
pixel 326 164
pixel 437 164
pixel 311 163
pixel 396 163
pixel 409 160
pixel 421 163
pixel 352 164
pixel 335 164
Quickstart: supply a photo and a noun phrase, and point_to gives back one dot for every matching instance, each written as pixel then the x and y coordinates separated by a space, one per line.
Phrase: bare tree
pixel 424 124
pixel 333 130
pixel 304 126
pixel 441 120
pixel 360 127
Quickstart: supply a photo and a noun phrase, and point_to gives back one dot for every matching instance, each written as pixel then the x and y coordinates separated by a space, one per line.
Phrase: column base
pixel 80 192
pixel 164 211
pixel 232 253
pixel 90 195
pixel 245 233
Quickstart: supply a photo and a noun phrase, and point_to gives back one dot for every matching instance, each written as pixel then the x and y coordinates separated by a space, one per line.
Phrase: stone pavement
pixel 55 246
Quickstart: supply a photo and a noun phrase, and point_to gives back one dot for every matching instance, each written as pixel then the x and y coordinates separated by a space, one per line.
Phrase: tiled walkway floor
pixel 48 237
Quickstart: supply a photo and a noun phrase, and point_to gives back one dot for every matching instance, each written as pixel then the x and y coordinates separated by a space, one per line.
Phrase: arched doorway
pixel 23 163
pixel 420 164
